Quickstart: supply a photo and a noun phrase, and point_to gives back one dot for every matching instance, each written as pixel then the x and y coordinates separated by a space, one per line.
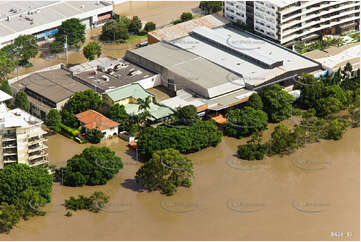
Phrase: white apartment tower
pixel 289 21
pixel 22 138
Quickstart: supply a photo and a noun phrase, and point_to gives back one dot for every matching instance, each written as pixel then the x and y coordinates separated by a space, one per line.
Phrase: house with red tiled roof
pixel 91 119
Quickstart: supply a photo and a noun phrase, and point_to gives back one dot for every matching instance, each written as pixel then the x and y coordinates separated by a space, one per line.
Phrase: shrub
pixel 186 16
pixel 94 203
pixel 94 136
pixel 149 26
pixel 281 140
pixel 253 150
pixel 336 128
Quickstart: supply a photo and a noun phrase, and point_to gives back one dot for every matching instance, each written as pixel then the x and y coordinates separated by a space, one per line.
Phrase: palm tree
pixel 144 105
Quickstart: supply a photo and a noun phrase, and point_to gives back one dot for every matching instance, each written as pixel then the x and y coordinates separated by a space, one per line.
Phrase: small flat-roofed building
pixel 108 73
pixel 91 119
pixel 48 90
pixel 128 96
pixel 183 29
pixel 22 139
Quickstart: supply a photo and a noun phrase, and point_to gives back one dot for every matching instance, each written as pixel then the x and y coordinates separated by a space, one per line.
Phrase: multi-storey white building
pixel 22 139
pixel 289 21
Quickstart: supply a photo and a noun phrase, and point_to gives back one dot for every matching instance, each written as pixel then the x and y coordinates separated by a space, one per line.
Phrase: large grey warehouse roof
pixel 208 79
pixel 211 71
pixel 252 73
pixel 242 51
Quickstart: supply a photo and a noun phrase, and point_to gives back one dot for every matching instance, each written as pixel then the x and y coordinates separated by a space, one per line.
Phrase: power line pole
pixel 66 48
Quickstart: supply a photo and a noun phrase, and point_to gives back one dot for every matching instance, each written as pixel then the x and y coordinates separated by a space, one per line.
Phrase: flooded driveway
pixel 304 196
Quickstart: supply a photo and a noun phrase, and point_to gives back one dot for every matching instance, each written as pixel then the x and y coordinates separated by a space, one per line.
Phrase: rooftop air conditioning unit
pixel 105 78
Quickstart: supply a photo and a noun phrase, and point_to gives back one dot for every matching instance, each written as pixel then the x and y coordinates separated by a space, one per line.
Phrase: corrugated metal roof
pixel 157 111
pixel 134 90
pixel 183 29
pixel 4 96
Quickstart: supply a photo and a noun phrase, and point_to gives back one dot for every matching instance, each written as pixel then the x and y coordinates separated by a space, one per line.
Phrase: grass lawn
pixel 133 38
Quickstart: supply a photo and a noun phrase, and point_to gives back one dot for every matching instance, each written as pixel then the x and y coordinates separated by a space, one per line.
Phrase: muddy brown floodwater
pixel 303 196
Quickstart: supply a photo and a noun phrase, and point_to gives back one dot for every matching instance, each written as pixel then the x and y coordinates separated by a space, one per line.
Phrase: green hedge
pixel 68 131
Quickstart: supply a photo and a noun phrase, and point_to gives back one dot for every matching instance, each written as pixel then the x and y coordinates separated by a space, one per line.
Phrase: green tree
pixel 135 25
pixel 9 216
pixel 69 119
pixel 7 65
pixel 56 46
pixel 53 119
pixel 327 106
pixel 143 108
pixel 281 140
pixel 118 114
pixel 25 47
pixel 186 16
pixel 245 121
pixel 209 7
pixel 125 20
pixel 253 150
pixel 25 188
pixel 255 101
pixel 92 50
pixel 83 101
pixel 336 128
pixel 186 115
pixel 5 87
pixel 166 171
pixel 186 139
pixel 277 103
pixel 74 30
pixel 94 136
pixel 149 26
pixel 94 203
pixel 94 166
pixel 21 101
pixel 113 30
